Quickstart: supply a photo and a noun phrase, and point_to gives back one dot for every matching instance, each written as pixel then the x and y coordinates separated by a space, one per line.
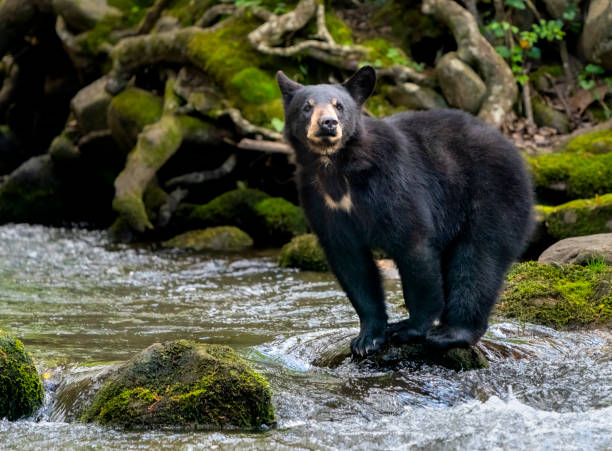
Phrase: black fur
pixel 445 195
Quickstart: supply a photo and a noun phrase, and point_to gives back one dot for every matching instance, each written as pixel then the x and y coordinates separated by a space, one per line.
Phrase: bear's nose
pixel 328 123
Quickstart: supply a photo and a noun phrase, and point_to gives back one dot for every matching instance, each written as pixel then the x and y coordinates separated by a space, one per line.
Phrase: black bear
pixel 442 193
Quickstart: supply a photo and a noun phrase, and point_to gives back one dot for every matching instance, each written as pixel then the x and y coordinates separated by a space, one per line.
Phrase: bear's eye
pixel 339 107
pixel 307 108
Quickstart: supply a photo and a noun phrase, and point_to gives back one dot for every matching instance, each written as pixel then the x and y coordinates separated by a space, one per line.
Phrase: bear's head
pixel 320 119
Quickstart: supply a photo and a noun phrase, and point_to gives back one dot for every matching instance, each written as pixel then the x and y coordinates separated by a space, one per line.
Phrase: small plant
pixel 588 81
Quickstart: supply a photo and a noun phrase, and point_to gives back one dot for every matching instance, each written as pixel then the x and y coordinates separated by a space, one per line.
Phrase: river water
pixel 81 304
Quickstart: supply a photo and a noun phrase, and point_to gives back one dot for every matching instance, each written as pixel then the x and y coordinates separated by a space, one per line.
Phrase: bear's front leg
pixel 420 271
pixel 357 273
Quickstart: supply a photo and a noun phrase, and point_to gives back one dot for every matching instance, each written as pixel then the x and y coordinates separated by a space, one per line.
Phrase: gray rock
pixel 579 250
pixel 90 106
pixel 415 97
pixel 546 116
pixel 461 86
pixel 83 15
pixel 596 40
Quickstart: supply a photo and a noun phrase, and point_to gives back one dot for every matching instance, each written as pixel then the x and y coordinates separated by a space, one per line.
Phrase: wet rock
pixel 580 250
pixel 90 106
pixel 546 116
pixel 21 388
pixel 596 40
pixel 580 217
pixel 457 359
pixel 128 114
pixel 183 384
pixel 63 149
pixel 83 15
pixel 415 97
pixel 224 238
pixel 303 252
pixel 560 296
pixel 279 221
pixel 31 193
pixel 461 86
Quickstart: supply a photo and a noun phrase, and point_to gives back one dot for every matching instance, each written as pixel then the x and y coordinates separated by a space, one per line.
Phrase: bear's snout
pixel 328 126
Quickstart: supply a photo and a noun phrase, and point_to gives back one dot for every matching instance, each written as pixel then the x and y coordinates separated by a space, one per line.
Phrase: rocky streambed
pixel 82 304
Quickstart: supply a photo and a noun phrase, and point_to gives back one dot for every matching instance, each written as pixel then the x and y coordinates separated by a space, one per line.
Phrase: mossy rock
pixel 560 296
pixel 129 112
pixel 21 388
pixel 599 142
pixel 255 86
pixel 459 359
pixel 182 384
pixel 279 221
pixel 539 77
pixel 580 217
pixel 304 252
pixel 575 174
pixel 236 207
pixel 224 238
pixel 546 116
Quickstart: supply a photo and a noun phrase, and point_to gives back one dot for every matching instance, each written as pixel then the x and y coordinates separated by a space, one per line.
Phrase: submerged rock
pixel 21 388
pixel 185 385
pixel 224 238
pixel 580 250
pixel 459 359
pixel 303 252
pixel 559 296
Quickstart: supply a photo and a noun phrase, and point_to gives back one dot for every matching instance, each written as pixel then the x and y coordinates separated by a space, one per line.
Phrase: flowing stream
pixel 81 304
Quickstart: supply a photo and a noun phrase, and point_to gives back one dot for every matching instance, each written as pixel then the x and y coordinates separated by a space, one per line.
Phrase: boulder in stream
pixel 459 359
pixel 21 388
pixel 181 384
pixel 223 238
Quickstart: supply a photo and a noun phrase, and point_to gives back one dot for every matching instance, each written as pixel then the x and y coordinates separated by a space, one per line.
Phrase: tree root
pixel 474 49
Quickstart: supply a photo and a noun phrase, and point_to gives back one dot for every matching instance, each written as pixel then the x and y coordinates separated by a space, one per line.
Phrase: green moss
pixel 539 77
pixel 21 388
pixel 132 13
pixel 280 220
pixel 188 11
pixel 184 384
pixel 232 208
pixel 263 114
pixel 582 174
pixel 133 211
pixel 591 143
pixel 338 29
pixel 130 111
pixel 255 86
pixel 558 296
pixel 580 217
pixel 223 238
pixel 380 106
pixel 304 252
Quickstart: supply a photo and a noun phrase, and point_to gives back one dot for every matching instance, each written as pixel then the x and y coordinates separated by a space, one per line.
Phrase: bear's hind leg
pixel 473 275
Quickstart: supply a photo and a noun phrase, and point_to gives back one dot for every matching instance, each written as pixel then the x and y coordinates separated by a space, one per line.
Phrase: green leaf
pixel 278 124
pixel 587 84
pixel 518 4
pixel 535 53
pixel 594 69
pixel 503 51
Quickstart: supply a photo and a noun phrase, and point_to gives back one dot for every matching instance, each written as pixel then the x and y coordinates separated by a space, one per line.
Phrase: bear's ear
pixel 287 86
pixel 361 84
